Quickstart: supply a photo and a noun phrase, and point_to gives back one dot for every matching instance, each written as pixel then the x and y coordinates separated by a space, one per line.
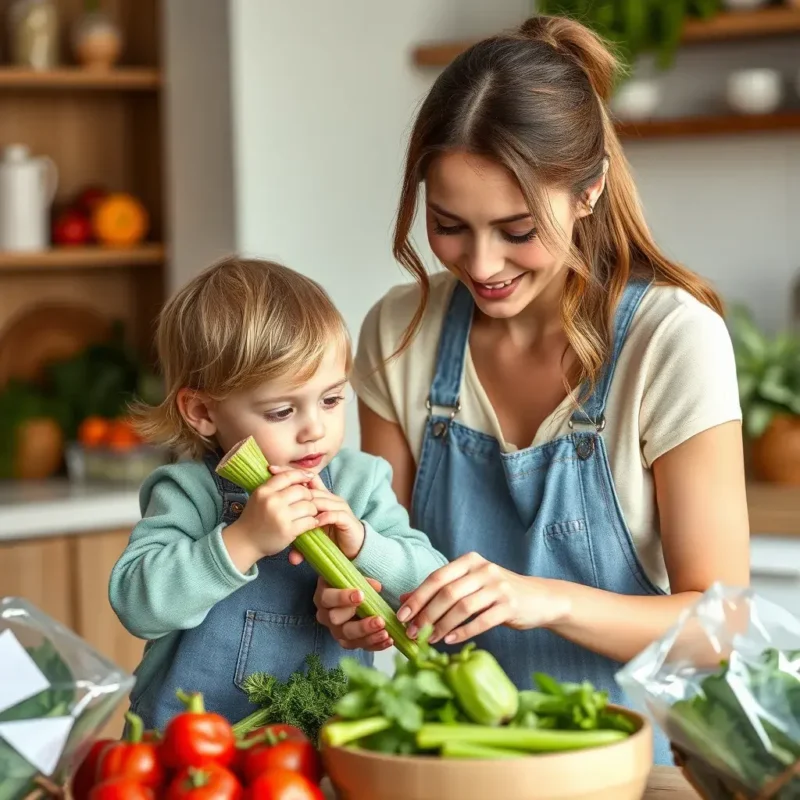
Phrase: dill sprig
pixel 306 700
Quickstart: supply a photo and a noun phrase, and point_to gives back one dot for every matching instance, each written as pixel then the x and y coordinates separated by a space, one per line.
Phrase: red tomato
pixel 121 789
pixel 72 228
pixel 278 730
pixel 85 776
pixel 286 754
pixel 211 782
pixel 281 784
pixel 132 758
pixel 197 737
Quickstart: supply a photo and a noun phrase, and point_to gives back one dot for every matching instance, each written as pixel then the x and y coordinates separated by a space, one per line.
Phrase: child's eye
pixel 332 402
pixel 279 415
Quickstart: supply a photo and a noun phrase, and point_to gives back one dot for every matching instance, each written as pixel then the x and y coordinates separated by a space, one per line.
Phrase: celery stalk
pixel 434 735
pixel 458 749
pixel 342 732
pixel 246 466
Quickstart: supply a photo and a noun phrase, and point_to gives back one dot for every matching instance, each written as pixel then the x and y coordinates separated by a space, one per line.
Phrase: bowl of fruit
pixel 456 726
pixel 110 450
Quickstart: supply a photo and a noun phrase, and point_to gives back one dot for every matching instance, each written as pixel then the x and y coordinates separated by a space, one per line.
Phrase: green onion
pixel 434 735
pixel 246 466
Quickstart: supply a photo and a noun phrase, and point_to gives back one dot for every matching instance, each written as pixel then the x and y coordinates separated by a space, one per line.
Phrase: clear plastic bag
pixel 56 693
pixel 724 685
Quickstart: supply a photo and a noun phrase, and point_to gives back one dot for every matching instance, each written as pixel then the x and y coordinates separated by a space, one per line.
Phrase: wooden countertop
pixel 774 509
pixel 668 783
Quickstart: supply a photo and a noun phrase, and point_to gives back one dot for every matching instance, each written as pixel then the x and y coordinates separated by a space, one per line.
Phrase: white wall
pixel 323 96
pixel 199 145
pixel 727 206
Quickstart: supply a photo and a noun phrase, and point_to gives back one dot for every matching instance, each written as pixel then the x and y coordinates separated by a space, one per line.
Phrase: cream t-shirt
pixel 675 378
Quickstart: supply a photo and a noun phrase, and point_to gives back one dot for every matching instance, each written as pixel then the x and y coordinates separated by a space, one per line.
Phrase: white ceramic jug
pixel 27 188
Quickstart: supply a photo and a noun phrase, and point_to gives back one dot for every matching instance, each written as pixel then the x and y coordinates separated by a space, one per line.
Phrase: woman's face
pixel 480 229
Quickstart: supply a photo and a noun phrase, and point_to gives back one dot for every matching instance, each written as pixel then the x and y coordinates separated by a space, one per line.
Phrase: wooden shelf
pixel 761 23
pixel 730 26
pixel 724 125
pixel 122 79
pixel 774 509
pixel 65 258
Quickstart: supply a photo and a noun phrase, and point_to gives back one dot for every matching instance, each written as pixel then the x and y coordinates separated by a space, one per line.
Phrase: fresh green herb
pixel 306 700
pixel 426 707
pixel 745 721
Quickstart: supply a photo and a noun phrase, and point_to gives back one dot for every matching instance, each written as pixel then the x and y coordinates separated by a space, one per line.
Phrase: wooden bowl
pixel 613 772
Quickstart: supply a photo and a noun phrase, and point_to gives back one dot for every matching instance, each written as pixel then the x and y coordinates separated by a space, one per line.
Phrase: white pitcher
pixel 27 188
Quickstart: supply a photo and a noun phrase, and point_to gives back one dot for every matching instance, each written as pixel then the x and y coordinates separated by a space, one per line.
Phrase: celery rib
pixel 246 466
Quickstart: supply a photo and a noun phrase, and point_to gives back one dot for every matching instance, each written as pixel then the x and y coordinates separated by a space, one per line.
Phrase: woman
pixel 559 406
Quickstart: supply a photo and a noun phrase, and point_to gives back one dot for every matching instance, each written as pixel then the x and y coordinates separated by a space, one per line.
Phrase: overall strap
pixel 452 352
pixel 592 412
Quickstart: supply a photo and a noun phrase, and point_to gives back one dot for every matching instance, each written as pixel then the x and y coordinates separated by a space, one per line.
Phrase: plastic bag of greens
pixel 56 693
pixel 724 684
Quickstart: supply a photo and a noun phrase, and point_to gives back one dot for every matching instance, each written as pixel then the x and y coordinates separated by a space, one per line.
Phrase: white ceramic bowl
pixel 636 99
pixel 754 91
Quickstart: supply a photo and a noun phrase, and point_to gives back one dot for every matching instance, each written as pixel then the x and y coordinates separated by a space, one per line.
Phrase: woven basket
pixel 710 784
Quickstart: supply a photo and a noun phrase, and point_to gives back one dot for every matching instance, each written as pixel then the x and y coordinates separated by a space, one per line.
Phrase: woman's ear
pixel 590 197
pixel 195 408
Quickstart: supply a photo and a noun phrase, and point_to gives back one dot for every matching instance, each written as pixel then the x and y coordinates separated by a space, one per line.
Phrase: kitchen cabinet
pixel 38 571
pixel 67 578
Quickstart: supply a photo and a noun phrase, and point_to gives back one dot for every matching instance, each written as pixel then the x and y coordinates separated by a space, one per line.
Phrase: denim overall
pixel 549 511
pixel 266 625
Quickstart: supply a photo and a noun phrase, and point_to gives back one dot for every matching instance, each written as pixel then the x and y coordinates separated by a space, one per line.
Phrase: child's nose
pixel 313 430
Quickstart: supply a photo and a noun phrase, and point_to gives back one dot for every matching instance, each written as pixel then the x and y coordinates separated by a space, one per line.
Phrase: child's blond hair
pixel 239 323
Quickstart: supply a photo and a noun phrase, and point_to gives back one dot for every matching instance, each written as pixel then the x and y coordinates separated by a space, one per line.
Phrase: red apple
pixel 72 228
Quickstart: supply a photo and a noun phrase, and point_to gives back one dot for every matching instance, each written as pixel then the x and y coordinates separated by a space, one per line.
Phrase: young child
pixel 251 348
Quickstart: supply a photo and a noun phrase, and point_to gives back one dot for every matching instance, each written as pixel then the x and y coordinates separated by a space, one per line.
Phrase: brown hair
pixel 238 324
pixel 534 101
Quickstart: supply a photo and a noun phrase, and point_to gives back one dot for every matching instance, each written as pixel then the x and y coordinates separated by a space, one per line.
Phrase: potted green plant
pixel 768 371
pixel 635 26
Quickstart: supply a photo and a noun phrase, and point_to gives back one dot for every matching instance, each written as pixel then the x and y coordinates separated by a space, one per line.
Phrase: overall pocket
pixel 570 556
pixel 276 644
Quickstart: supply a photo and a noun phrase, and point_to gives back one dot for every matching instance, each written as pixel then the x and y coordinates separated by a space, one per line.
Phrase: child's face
pixel 299 426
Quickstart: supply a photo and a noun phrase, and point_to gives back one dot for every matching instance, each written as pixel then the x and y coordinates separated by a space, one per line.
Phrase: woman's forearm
pixel 615 625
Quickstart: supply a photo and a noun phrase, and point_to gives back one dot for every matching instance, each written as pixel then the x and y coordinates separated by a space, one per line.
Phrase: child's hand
pixel 335 515
pixel 275 514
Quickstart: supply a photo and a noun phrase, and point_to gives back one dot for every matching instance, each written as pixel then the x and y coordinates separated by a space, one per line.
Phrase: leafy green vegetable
pixel 418 711
pixel 745 721
pixel 16 774
pixel 306 699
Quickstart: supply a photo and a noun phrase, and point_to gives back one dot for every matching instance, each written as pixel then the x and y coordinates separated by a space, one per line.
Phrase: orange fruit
pixel 122 436
pixel 120 220
pixel 93 431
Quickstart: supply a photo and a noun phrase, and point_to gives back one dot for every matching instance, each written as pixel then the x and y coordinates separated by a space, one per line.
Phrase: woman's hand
pixel 336 610
pixel 470 595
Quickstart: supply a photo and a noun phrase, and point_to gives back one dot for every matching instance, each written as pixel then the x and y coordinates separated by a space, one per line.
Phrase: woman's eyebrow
pixel 502 221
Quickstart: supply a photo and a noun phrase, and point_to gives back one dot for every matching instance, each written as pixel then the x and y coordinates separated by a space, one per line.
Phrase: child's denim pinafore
pixel 266 625
pixel 550 511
